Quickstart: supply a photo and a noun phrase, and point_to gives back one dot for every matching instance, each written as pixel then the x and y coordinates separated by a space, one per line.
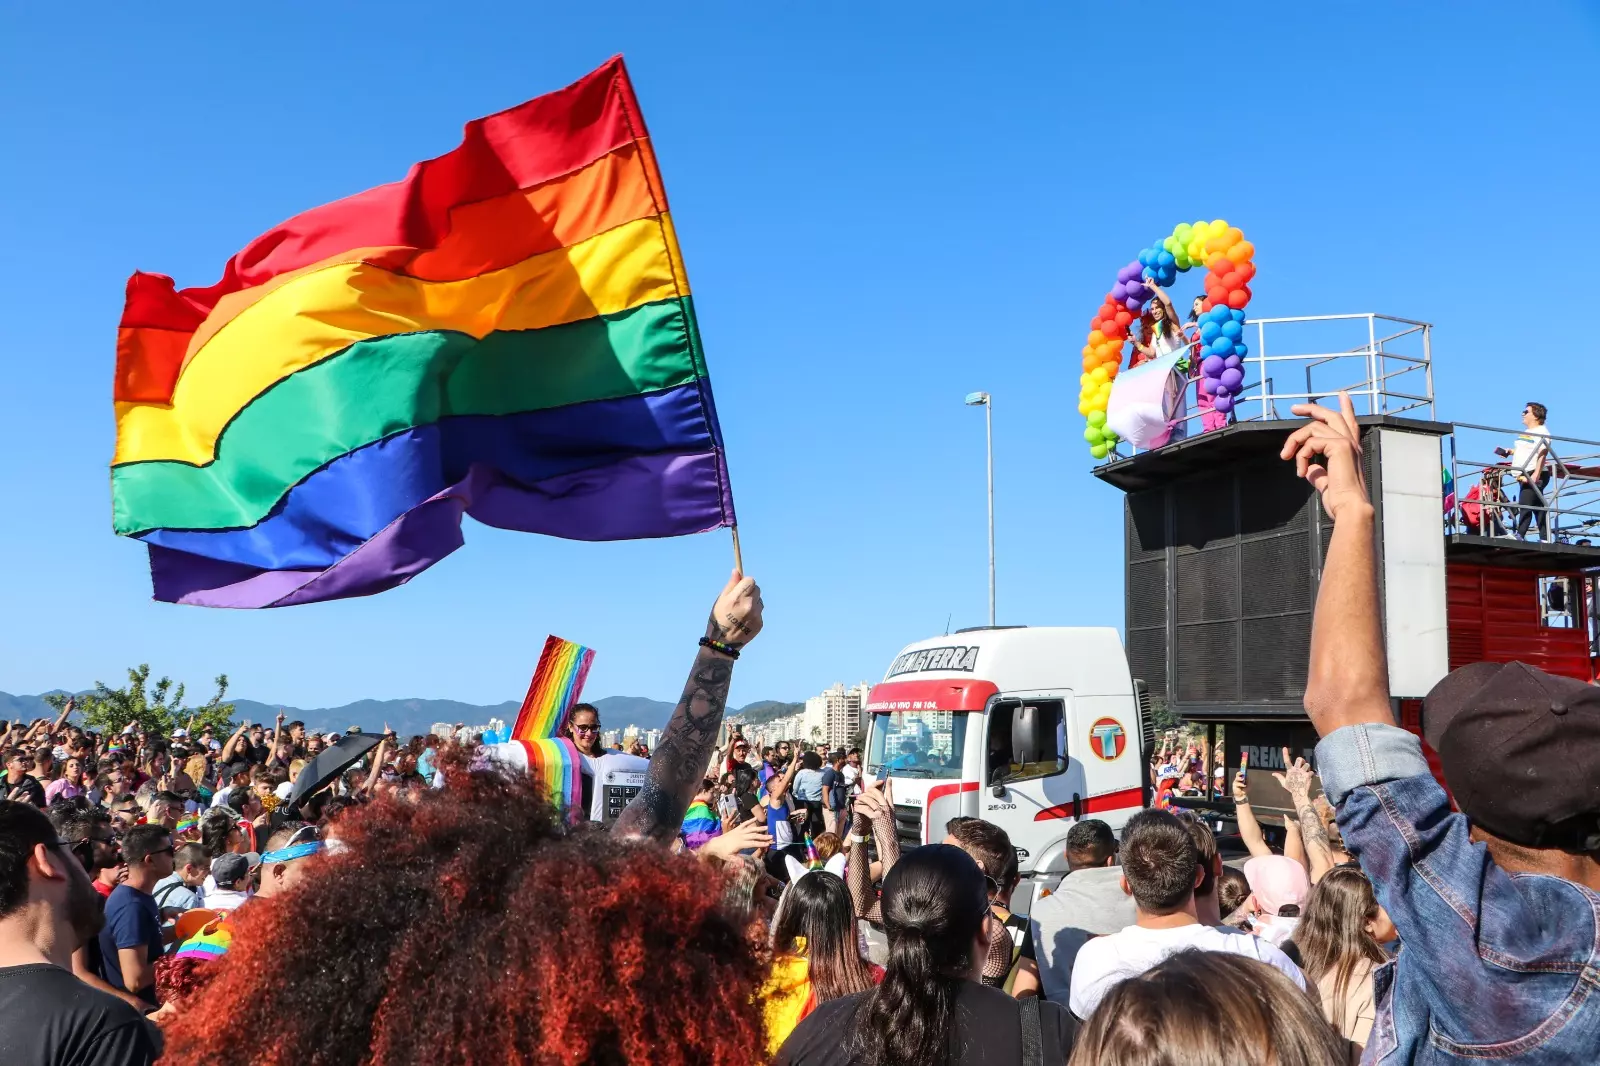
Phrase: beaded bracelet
pixel 716 645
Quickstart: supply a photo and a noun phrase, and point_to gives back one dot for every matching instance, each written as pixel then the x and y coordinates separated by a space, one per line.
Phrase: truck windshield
pixel 917 744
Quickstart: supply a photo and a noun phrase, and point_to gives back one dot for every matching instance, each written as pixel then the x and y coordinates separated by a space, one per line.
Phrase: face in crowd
pixel 586 730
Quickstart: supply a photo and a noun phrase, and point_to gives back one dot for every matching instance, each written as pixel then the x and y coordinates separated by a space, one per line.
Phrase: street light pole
pixel 984 400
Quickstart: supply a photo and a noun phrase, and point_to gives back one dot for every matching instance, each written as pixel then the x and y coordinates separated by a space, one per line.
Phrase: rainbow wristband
pixel 718 646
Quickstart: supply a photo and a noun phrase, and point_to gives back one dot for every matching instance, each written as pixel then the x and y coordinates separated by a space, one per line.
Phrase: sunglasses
pixel 586 729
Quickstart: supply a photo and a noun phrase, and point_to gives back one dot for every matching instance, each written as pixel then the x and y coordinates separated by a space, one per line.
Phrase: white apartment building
pixel 835 715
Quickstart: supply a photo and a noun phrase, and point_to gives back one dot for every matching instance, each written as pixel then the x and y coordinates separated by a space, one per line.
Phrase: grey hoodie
pixel 1088 903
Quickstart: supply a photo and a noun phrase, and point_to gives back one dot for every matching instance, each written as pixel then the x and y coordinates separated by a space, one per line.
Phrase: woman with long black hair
pixel 932 1007
pixel 816 957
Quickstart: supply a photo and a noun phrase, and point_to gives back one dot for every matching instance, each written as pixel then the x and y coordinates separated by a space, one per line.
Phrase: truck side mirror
pixel 1029 730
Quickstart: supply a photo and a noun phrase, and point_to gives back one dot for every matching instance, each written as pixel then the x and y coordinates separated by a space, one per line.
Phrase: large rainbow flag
pixel 506 333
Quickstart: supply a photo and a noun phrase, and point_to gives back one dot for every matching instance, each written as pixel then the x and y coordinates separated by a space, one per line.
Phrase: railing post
pixel 1372 363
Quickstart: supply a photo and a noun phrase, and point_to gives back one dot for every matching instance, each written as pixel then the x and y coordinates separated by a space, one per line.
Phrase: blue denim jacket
pixel 1493 966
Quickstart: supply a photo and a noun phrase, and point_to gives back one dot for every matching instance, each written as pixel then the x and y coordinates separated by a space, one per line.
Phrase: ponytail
pixel 934 903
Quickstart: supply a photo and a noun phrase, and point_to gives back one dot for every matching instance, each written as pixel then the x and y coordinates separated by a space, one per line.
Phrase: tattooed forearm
pixel 679 761
pixel 1319 850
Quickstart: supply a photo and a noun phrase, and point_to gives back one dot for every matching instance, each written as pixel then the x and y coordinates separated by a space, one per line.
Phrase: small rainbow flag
pixel 187 824
pixel 557 683
pixel 554 760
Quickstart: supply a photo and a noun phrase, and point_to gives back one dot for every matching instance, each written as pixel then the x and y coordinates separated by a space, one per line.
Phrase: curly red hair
pixel 471 926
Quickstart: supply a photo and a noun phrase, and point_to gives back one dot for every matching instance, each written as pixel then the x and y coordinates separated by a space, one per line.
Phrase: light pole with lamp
pixel 982 399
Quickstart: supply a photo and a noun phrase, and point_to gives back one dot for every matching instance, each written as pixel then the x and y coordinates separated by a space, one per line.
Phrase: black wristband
pixel 718 646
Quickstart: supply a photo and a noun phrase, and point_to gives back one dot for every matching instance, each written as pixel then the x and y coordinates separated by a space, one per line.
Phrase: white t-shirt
pixel 1107 961
pixel 1274 930
pixel 851 776
pixel 1531 444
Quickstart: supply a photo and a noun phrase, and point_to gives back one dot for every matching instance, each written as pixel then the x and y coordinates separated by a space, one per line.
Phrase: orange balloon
pixel 1090 360
pixel 1217 261
pixel 1096 337
pixel 1242 251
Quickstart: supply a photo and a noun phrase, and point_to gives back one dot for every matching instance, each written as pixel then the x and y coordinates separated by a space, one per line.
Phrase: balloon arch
pixel 1219 332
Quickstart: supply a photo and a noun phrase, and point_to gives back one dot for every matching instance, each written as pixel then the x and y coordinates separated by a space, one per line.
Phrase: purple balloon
pixel 1119 291
pixel 1232 379
pixel 1223 404
pixel 1211 366
pixel 1233 362
pixel 1132 304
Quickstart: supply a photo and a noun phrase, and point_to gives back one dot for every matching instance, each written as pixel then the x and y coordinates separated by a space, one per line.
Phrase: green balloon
pixel 1109 437
pixel 1092 434
pixel 1097 418
pixel 1099 451
pixel 1183 233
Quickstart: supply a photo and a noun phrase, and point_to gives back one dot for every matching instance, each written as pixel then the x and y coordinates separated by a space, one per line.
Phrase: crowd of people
pixel 201 899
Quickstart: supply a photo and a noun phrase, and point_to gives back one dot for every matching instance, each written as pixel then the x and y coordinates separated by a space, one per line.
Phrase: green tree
pixel 157 709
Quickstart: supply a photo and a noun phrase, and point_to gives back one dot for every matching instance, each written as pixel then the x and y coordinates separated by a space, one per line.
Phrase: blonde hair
pixel 1208 1008
pixel 1332 935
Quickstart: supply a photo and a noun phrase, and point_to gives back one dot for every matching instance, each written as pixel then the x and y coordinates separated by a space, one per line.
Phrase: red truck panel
pixel 1494 615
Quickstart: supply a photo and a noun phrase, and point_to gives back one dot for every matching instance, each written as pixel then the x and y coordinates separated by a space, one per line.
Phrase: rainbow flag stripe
pixel 557 683
pixel 507 333
pixel 555 761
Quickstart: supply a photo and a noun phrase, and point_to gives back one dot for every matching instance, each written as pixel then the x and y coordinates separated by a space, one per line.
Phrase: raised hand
pixel 736 616
pixel 1296 780
pixel 745 835
pixel 1334 438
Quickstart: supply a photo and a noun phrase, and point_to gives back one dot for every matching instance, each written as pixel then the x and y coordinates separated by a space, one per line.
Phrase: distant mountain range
pixel 407 717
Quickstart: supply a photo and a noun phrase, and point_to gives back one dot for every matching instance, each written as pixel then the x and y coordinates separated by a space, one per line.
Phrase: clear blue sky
pixel 883 207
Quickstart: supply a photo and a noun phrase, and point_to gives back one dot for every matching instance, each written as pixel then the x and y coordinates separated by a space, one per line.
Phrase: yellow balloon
pixel 1218 226
pixel 1098 374
pixel 1197 250
pixel 1083 407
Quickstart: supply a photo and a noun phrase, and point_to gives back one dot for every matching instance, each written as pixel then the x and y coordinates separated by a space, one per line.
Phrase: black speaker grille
pixel 1147 525
pixel 1276 574
pixel 1275 655
pixel 1207 662
pixel 1208 585
pixel 1147 593
pixel 1147 658
pixel 1204 511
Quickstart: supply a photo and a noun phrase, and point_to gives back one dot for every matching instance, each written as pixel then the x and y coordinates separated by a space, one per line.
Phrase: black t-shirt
pixel 988 1031
pixel 30 788
pixel 50 1018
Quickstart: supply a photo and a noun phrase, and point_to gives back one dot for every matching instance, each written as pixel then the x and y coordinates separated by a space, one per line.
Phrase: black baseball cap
pixel 1520 750
pixel 235 768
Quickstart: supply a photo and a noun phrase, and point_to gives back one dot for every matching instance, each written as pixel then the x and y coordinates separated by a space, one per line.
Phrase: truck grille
pixel 908 825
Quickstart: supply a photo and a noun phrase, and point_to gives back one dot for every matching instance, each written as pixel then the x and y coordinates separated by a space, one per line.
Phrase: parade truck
pixel 1030 728
pixel 1224 544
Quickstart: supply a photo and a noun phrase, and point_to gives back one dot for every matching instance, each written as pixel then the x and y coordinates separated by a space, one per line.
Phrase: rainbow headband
pixel 1229 260
pixel 292 852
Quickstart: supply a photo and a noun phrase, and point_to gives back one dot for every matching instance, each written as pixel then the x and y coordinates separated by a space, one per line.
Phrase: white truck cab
pixel 1028 728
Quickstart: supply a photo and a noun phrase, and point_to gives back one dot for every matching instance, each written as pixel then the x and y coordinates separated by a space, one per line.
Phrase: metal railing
pixel 1385 363
pixel 1557 501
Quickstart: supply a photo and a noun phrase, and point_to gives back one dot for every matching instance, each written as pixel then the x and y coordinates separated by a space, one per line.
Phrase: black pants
pixel 1530 496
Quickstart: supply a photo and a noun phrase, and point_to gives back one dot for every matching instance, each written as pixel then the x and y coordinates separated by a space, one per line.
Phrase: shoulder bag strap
pixel 1032 1036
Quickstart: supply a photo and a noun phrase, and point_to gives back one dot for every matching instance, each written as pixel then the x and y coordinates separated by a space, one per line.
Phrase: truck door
pixel 1028 770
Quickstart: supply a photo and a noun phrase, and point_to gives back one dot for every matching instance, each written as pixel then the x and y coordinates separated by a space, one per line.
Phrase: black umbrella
pixel 329 764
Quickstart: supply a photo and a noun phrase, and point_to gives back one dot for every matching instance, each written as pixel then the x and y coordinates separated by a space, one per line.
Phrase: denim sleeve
pixel 1451 904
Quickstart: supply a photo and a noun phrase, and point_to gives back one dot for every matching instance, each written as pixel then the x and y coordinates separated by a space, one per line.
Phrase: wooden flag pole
pixel 738 556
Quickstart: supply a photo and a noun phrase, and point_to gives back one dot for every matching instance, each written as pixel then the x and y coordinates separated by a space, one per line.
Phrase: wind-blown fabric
pixel 507 333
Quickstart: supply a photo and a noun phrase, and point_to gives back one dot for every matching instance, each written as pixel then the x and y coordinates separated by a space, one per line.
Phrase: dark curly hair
pixel 470 925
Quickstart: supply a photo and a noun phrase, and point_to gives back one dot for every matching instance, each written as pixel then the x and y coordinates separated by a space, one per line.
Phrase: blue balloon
pixel 1169 274
pixel 1236 315
pixel 1241 349
pixel 1232 330
pixel 1210 331
pixel 1164 258
pixel 1144 257
pixel 1222 346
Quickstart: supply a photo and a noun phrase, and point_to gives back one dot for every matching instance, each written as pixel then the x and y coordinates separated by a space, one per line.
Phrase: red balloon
pixel 1205 305
pixel 1238 298
pixel 1246 271
pixel 1124 317
pixel 1231 280
pixel 1114 330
